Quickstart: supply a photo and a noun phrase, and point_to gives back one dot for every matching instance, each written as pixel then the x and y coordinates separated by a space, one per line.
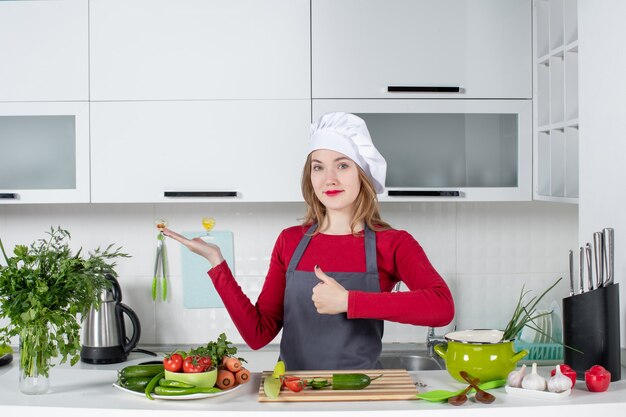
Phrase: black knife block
pixel 591 325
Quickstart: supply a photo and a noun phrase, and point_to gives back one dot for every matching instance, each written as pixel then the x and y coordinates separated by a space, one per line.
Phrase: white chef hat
pixel 347 134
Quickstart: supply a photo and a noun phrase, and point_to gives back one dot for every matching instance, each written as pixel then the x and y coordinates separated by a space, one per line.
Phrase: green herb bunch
pixel 216 350
pixel 525 314
pixel 44 288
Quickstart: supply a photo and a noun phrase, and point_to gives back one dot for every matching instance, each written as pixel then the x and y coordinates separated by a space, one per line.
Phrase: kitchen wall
pixel 602 147
pixel 485 251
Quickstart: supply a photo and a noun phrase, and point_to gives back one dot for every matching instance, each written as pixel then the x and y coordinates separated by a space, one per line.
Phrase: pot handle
pixel 519 355
pixel 132 343
pixel 441 350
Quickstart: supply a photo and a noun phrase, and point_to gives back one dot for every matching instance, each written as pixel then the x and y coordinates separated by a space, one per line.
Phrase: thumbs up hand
pixel 329 297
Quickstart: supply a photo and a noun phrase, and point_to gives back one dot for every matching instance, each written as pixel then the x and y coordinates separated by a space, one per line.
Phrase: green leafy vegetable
pixel 216 350
pixel 525 314
pixel 44 288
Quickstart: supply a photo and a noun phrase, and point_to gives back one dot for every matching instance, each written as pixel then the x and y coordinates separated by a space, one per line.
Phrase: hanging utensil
pixel 608 235
pixel 160 264
pixel 157 262
pixel 598 246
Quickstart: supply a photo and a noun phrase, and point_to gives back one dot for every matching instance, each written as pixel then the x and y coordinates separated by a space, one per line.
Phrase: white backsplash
pixel 485 252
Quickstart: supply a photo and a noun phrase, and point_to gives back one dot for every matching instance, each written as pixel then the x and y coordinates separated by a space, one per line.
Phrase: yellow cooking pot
pixel 481 353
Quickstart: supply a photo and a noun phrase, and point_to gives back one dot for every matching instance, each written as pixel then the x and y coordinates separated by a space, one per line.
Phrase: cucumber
pixel 161 390
pixel 318 383
pixel 135 371
pixel 138 384
pixel 351 381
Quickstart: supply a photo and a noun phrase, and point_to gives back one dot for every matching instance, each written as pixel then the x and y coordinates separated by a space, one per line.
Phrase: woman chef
pixel 329 281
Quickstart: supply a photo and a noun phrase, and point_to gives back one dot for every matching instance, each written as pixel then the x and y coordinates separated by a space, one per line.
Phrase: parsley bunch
pixel 44 288
pixel 216 350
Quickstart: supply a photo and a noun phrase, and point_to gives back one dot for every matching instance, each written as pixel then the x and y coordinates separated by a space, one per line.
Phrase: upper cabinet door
pixel 44 152
pixel 44 50
pixel 360 48
pixel 198 151
pixel 199 49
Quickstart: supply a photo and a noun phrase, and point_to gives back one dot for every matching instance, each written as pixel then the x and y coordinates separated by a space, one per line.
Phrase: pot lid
pixel 482 336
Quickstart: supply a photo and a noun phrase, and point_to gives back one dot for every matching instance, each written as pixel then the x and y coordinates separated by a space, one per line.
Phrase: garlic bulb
pixel 515 377
pixel 559 382
pixel 534 381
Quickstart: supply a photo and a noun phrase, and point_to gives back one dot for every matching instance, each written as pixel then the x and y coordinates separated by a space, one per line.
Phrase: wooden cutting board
pixel 395 384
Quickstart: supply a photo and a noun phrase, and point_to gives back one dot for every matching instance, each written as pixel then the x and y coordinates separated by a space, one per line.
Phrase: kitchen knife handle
pixel 9 196
pixel 608 236
pixel 598 247
pixel 422 89
pixel 176 194
pixel 418 193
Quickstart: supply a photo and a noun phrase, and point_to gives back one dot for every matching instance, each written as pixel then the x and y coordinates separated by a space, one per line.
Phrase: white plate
pixel 178 397
pixel 542 395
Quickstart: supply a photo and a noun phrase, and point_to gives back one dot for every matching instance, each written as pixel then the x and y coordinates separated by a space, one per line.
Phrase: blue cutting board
pixel 198 290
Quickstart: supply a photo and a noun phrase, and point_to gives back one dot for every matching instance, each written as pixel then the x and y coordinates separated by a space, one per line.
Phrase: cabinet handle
pixel 200 194
pixel 411 193
pixel 421 89
pixel 9 196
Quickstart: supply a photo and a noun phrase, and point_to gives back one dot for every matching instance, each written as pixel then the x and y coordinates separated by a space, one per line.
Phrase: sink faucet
pixel 431 341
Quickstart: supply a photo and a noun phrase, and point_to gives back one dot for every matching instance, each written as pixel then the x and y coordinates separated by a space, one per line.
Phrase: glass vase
pixel 34 363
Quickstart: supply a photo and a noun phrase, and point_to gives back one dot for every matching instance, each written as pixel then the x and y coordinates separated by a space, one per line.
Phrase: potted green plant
pixel 45 290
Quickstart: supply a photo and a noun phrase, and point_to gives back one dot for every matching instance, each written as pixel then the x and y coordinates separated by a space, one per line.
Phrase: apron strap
pixel 370 251
pixel 371 264
pixel 297 254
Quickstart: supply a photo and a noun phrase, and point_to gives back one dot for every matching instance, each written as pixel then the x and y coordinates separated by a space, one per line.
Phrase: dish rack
pixel 540 351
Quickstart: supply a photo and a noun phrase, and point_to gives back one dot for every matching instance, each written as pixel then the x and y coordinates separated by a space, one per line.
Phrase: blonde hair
pixel 365 208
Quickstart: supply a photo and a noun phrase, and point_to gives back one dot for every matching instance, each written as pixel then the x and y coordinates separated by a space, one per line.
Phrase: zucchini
pixel 352 381
pixel 161 390
pixel 135 371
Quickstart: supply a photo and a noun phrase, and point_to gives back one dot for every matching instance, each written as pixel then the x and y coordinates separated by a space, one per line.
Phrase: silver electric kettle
pixel 104 333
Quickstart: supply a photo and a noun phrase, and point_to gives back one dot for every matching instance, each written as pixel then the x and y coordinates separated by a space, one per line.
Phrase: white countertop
pixel 85 388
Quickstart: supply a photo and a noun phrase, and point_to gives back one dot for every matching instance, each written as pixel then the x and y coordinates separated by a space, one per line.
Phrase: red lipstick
pixel 332 193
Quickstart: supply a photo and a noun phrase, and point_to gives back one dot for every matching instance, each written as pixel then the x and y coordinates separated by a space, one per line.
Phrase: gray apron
pixel 329 341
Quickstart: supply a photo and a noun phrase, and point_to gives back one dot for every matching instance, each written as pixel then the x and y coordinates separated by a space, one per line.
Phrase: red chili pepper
pixel 597 378
pixel 568 372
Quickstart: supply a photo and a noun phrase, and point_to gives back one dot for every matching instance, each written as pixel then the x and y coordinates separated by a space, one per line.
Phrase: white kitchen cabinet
pixel 227 150
pixel 44 152
pixel 448 150
pixel 556 101
pixel 191 49
pixel 44 50
pixel 360 48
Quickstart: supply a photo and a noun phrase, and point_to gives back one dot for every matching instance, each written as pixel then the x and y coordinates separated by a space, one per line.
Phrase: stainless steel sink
pixel 410 362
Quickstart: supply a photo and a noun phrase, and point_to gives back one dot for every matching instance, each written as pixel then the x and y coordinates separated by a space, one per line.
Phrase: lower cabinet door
pixel 198 151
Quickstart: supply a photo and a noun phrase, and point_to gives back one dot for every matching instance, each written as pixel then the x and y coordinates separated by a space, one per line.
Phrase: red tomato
pixel 293 383
pixel 205 360
pixel 597 378
pixel 568 372
pixel 173 362
pixel 192 365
